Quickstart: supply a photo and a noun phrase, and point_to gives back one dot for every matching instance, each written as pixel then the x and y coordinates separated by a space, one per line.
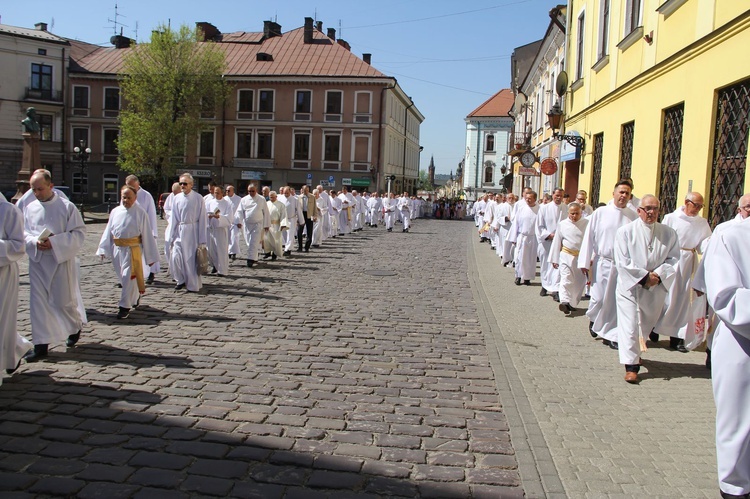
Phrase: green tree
pixel 166 85
pixel 423 183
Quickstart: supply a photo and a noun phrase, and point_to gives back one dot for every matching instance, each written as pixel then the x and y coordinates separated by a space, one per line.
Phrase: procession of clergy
pixel 47 227
pixel 644 279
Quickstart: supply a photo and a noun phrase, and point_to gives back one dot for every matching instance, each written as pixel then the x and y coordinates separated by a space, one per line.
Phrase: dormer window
pixel 262 56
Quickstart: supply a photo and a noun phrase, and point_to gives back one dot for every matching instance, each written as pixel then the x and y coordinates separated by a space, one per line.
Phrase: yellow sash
pixel 569 251
pixel 134 243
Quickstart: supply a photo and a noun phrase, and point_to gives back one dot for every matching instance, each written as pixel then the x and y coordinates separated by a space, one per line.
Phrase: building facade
pixel 660 95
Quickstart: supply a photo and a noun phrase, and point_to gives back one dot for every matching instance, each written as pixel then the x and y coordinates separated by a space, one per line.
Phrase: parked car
pixel 162 199
pixel 65 190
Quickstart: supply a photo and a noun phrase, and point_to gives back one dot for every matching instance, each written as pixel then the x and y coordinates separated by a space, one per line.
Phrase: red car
pixel 162 199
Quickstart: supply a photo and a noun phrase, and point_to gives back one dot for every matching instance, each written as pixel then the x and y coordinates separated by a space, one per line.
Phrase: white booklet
pixel 45 234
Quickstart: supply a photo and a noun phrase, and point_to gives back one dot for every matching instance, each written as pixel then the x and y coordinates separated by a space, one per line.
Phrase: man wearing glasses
pixel 187 232
pixel 693 231
pixel 253 216
pixel 646 256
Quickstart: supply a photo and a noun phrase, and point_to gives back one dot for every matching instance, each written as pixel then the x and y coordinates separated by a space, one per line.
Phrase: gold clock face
pixel 528 159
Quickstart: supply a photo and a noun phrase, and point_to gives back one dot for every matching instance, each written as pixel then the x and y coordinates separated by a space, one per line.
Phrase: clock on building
pixel 528 159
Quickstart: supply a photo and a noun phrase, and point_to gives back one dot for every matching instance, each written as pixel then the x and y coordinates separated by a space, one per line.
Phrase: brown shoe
pixel 631 377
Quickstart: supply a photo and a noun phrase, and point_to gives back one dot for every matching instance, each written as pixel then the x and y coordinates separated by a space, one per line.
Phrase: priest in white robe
pixel 234 231
pixel 402 205
pixel 683 306
pixel 727 273
pixel 188 231
pixel 146 201
pixel 508 250
pixel 13 346
pixel 563 254
pixel 325 210
pixel 220 219
pixel 54 233
pixel 548 217
pixel 128 241
pixel 253 216
pixel 322 209
pixel 646 256
pixel 500 223
pixel 522 233
pixel 389 211
pixel 273 246
pixel 336 207
pixel 168 217
pixel 596 260
pixel 345 215
pixel 375 206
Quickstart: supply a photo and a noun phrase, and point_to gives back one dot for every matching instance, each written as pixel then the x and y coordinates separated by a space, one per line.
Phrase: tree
pixel 166 85
pixel 423 183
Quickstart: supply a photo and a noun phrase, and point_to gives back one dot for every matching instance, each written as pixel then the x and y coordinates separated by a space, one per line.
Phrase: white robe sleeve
pixel 150 250
pixel 66 246
pixel 106 242
pixel 726 286
pixel 554 251
pixel 628 271
pixel 12 247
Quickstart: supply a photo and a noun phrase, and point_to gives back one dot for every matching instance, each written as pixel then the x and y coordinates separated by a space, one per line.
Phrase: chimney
pixel 367 58
pixel 332 33
pixel 41 26
pixel 319 25
pixel 344 44
pixel 121 42
pixel 308 30
pixel 210 32
pixel 271 29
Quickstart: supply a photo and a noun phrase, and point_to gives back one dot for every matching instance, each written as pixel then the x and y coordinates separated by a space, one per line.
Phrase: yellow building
pixel 660 91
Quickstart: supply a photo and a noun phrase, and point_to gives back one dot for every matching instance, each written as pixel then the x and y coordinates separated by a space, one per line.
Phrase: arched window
pixel 488 174
pixel 490 143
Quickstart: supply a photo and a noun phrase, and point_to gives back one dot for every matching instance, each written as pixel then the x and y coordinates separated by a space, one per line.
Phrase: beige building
pixel 302 109
pixel 33 63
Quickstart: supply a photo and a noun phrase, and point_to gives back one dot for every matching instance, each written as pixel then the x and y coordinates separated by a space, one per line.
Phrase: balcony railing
pixel 520 142
pixel 43 94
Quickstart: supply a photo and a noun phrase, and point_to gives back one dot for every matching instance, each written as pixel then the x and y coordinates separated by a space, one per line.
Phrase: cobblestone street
pixel 372 367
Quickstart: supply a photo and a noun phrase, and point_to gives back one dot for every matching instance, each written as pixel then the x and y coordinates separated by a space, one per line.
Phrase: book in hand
pixel 217 211
pixel 46 233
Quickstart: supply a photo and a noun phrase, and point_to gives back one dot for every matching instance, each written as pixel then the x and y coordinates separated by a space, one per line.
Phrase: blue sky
pixel 449 56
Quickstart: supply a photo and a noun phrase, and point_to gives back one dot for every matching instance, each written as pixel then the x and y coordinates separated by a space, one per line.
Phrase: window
pixel 265 101
pixel 362 148
pixel 632 15
pixel 579 45
pixel 596 174
pixel 41 51
pixel 208 107
pixel 265 144
pixel 41 79
pixel 45 124
pixel 671 147
pixel 626 149
pixel 244 144
pixel 333 102
pixel 80 101
pixel 489 171
pixel 489 143
pixel 363 107
pixel 244 102
pixel 111 102
pixel 603 49
pixel 80 183
pixel 80 134
pixel 302 146
pixel 332 147
pixel 111 188
pixel 110 144
pixel 206 144
pixel 303 101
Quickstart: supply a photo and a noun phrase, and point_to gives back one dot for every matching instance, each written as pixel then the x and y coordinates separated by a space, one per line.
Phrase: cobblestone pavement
pixel 358 370
pixel 606 438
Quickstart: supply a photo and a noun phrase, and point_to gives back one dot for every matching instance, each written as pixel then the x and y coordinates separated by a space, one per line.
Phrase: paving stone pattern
pixel 607 438
pixel 305 377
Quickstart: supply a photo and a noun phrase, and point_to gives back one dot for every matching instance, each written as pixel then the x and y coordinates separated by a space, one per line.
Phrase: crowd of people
pixel 201 231
pixel 643 278
pixel 449 209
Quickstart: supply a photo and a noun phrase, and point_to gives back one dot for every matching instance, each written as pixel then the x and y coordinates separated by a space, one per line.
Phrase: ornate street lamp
pixel 82 154
pixel 555 118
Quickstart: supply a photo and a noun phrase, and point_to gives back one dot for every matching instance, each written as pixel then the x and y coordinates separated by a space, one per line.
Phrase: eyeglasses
pixel 649 209
pixel 745 208
pixel 698 206
pixel 183 183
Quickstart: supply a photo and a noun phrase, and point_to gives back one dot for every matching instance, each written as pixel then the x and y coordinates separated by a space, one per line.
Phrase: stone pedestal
pixel 31 161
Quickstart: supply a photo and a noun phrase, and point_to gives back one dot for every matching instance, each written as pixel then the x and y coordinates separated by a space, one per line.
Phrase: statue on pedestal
pixel 31 159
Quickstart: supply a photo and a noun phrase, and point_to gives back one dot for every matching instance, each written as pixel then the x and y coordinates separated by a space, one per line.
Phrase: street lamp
pixel 555 118
pixel 82 154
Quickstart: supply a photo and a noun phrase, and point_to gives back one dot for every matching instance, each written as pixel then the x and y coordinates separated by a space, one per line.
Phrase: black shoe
pixel 266 256
pixel 591 330
pixel 727 495
pixel 518 281
pixel 606 343
pixel 543 292
pixel 123 313
pixel 137 302
pixel 527 283
pixel 680 345
pixel 118 285
pixel 232 256
pixel 150 279
pixel 316 246
pixel 708 358
pixel 250 263
pixel 614 345
pixel 555 297
pixel 37 353
pixel 299 250
pixel 390 230
pixel 73 339
pixel 565 308
pixel 307 250
pixel 673 343
pixel 14 369
pixel 181 286
pixel 653 337
pixel 273 257
pixel 213 270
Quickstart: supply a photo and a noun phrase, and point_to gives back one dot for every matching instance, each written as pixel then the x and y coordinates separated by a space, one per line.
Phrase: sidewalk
pixel 606 438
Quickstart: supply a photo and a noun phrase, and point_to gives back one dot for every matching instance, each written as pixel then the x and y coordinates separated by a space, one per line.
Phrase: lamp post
pixel 555 116
pixel 82 154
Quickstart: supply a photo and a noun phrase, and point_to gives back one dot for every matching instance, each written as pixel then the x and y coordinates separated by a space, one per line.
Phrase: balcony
pixel 43 95
pixel 519 143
